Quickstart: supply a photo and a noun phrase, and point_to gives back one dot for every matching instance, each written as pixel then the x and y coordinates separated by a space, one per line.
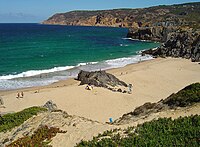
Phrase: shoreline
pixel 69 81
pixel 70 73
pixel 152 81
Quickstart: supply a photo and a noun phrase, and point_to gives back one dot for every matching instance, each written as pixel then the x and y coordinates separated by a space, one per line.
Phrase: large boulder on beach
pixel 100 79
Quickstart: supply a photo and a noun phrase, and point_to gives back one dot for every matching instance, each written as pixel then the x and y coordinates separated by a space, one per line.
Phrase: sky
pixel 34 11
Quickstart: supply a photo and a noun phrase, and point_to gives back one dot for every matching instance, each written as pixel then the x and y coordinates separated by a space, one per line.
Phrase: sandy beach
pixel 152 81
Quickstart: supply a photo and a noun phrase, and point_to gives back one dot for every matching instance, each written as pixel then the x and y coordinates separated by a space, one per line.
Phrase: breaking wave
pixel 34 78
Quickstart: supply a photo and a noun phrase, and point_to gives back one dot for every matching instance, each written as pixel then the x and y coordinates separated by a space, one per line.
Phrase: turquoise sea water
pixel 34 54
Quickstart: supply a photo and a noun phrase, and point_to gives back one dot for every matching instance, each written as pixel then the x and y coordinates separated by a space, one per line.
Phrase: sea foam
pixel 31 78
pixel 120 62
pixel 136 39
pixel 34 73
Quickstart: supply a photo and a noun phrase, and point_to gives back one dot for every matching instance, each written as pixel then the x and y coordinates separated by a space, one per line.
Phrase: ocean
pixel 36 54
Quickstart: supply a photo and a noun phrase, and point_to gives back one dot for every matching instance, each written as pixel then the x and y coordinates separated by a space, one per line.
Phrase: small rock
pixel 124 91
pixel 5 140
pixel 25 133
pixel 119 90
pixel 50 105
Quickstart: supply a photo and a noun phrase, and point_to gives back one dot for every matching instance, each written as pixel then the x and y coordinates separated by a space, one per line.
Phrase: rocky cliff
pixel 158 33
pixel 183 14
pixel 185 44
pixel 177 26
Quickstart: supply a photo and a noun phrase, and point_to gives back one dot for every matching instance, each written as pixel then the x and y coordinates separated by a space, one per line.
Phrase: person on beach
pixel 89 87
pixel 1 105
pixel 37 91
pixel 1 102
pixel 22 94
pixel 18 95
pixel 130 88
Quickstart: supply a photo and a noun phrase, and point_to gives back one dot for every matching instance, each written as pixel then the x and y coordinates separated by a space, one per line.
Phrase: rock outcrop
pixel 50 105
pixel 184 44
pixel 144 110
pixel 159 33
pixel 100 79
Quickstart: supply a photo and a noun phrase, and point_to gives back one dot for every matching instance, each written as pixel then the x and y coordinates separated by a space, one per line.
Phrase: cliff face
pixel 184 14
pixel 184 44
pixel 158 33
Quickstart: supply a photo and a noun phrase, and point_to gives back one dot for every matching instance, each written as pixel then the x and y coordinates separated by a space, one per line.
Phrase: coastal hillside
pixel 172 15
pixel 177 26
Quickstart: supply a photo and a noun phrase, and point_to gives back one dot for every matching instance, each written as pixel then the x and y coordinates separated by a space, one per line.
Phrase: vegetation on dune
pixel 184 131
pixel 185 97
pixel 9 121
pixel 40 138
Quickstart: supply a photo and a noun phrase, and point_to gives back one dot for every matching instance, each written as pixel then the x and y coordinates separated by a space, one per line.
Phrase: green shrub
pixel 185 97
pixel 184 131
pixel 9 121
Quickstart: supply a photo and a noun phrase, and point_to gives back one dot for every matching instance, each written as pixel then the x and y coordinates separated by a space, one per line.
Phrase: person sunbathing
pixel 89 87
